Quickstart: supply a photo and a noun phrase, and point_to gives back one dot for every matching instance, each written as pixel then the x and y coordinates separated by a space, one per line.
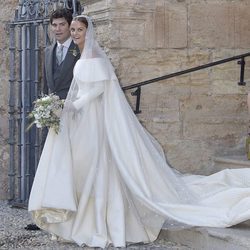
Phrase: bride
pixel 104 179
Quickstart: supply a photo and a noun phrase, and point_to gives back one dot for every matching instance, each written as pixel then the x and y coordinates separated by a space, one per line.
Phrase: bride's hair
pixel 81 19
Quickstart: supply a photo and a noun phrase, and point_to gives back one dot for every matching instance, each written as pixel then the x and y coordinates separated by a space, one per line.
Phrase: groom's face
pixel 60 29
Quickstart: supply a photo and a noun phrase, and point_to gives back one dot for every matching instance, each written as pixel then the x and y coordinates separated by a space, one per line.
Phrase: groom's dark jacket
pixel 57 79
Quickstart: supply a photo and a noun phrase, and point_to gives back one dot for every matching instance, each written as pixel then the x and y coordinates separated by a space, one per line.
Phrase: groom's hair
pixel 61 13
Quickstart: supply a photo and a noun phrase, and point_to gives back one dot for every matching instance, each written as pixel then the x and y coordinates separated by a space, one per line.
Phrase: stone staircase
pixel 233 238
pixel 234 161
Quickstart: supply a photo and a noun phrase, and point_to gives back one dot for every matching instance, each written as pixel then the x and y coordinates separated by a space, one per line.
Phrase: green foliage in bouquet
pixel 46 112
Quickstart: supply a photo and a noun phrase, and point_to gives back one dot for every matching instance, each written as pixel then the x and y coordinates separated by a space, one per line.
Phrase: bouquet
pixel 46 112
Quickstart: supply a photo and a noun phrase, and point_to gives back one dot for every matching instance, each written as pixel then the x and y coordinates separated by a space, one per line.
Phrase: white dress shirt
pixel 66 45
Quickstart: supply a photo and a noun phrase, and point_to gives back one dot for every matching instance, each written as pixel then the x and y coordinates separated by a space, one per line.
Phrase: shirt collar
pixel 66 43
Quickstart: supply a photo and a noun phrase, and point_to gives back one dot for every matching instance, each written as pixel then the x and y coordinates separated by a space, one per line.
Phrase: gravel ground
pixel 14 236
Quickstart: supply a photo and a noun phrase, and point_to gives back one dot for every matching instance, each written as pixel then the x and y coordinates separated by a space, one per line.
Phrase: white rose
pixel 37 116
pixel 58 112
pixel 45 98
pixel 38 124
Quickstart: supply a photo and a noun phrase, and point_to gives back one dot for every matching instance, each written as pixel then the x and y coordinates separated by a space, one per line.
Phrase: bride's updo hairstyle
pixel 81 19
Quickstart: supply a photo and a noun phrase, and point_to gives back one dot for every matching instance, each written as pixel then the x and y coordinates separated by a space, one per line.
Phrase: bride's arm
pixel 93 93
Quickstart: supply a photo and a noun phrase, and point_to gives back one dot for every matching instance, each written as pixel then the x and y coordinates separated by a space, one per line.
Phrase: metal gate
pixel 29 35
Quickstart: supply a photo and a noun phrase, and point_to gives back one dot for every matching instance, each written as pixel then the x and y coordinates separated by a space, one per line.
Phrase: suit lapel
pixel 49 65
pixel 71 57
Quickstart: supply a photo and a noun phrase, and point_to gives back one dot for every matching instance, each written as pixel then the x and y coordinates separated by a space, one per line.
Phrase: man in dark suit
pixel 61 56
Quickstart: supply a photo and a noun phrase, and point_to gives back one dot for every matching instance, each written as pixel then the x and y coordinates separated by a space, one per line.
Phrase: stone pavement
pixel 14 236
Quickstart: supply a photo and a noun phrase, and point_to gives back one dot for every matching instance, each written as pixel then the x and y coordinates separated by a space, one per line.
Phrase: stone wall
pixel 6 14
pixel 196 116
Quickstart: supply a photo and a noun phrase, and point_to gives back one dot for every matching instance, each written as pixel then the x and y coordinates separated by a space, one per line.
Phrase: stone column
pixel 6 14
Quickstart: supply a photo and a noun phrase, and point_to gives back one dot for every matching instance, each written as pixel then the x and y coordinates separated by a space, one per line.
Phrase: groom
pixel 61 56
pixel 60 59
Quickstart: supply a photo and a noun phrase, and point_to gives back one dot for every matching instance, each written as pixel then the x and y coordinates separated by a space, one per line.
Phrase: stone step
pixel 232 161
pixel 233 238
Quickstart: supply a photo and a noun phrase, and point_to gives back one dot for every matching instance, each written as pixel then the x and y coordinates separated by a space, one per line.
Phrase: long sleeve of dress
pixel 91 94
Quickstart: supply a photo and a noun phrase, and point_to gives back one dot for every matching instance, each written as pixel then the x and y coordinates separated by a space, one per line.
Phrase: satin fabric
pixel 105 180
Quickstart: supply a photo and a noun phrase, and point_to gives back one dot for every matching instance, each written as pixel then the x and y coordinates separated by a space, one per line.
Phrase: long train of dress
pixel 104 179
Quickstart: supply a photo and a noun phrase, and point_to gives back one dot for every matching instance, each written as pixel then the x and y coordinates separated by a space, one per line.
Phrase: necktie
pixel 59 54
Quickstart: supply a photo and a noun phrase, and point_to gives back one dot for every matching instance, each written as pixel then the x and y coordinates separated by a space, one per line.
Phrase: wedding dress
pixel 105 180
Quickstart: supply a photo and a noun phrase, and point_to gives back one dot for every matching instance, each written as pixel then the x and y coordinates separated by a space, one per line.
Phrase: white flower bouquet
pixel 46 112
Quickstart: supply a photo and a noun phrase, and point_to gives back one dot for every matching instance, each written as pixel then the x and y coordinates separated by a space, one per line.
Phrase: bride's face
pixel 78 32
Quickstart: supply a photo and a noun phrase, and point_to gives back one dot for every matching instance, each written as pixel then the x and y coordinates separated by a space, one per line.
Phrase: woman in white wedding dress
pixel 104 179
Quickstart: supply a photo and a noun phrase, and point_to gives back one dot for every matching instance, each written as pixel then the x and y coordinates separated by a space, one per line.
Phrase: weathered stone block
pixel 4 157
pixel 242 25
pixel 189 156
pixel 177 25
pixel 202 108
pixel 211 25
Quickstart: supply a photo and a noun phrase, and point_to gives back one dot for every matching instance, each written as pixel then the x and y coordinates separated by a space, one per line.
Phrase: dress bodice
pixel 90 76
pixel 91 70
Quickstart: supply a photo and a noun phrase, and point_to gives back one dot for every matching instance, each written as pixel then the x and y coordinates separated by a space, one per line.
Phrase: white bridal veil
pixel 105 179
pixel 119 118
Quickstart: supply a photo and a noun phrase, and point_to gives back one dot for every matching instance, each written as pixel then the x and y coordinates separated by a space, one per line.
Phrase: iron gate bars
pixel 28 37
